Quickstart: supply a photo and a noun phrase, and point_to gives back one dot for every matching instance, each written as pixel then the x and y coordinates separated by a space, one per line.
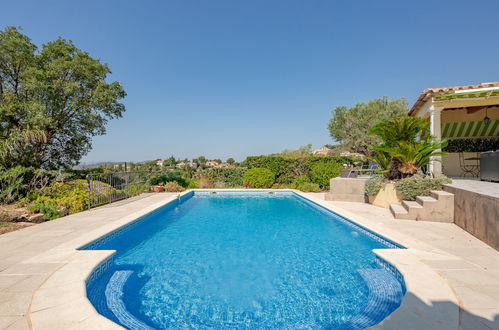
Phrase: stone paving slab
pixel 452 278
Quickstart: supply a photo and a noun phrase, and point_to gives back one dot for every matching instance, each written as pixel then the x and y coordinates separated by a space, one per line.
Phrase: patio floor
pixel 36 265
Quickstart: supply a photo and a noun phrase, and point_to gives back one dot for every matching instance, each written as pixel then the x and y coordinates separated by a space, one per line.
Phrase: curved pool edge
pixel 67 285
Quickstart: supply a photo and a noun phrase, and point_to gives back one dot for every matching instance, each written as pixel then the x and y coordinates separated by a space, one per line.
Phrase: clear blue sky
pixel 237 78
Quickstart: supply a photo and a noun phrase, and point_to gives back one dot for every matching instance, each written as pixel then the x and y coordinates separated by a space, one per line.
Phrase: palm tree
pixel 412 156
pixel 407 143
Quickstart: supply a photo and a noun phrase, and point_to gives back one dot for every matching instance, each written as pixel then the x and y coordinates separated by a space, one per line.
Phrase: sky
pixel 234 78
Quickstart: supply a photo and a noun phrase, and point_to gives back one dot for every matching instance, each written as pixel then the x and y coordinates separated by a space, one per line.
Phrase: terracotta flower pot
pixel 157 188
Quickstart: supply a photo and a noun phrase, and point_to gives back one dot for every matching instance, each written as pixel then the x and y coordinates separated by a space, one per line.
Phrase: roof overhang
pixel 471 94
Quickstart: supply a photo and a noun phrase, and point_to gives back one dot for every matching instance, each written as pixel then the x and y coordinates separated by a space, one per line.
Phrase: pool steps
pixel 438 207
pixel 114 299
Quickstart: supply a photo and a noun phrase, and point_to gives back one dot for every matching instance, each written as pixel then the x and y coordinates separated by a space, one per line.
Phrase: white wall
pixel 450 163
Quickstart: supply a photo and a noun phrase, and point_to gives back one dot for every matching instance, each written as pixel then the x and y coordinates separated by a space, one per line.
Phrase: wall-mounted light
pixel 486 120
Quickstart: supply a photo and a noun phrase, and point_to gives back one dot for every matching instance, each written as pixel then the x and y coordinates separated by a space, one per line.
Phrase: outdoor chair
pixel 370 169
pixel 469 165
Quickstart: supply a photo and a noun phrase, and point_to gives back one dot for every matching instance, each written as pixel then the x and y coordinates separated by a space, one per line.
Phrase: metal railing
pixel 105 188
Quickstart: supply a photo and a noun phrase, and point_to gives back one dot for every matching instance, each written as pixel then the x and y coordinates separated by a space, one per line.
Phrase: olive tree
pixel 53 100
pixel 350 126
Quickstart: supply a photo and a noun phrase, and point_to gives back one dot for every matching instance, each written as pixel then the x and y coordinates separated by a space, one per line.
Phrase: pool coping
pixel 61 301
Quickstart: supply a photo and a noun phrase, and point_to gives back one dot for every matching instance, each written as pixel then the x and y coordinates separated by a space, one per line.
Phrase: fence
pixel 104 188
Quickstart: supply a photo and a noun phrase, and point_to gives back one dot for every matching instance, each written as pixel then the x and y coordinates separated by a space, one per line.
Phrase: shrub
pixel 136 189
pixel 173 186
pixel 259 178
pixel 168 177
pixel 321 173
pixel 418 185
pixel 308 187
pixel 374 184
pixel 18 181
pixel 204 183
pixel 286 169
pixel 71 197
pixel 47 206
pixel 193 184
pixel 472 145
pixel 230 177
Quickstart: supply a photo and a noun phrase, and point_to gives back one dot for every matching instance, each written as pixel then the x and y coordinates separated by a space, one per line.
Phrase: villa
pixel 324 151
pixel 462 113
pixel 211 163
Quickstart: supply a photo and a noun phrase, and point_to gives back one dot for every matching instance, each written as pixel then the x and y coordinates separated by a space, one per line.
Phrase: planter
pixel 345 173
pixel 157 188
pixel 386 196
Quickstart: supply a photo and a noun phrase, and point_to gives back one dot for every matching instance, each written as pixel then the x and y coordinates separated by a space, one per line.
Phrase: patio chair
pixel 369 169
pixel 469 166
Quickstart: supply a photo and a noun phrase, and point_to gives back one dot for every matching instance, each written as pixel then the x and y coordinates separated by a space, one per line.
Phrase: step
pixel 398 211
pixel 411 205
pixel 426 200
pixel 437 194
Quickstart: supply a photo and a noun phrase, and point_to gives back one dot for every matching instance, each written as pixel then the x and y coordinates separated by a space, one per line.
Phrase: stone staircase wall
pixel 438 207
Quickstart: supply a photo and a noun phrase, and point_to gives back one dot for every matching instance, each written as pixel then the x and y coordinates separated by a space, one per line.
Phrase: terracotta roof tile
pixel 431 92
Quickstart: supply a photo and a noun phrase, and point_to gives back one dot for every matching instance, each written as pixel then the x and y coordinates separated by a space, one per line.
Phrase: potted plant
pixel 407 146
pixel 158 188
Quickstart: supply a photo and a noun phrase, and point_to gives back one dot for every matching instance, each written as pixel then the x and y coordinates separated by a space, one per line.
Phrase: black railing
pixel 104 188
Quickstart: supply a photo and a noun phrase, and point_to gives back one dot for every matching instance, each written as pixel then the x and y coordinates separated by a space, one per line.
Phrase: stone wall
pixel 476 213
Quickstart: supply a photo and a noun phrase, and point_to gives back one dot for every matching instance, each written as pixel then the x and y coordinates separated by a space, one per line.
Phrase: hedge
pixel 259 178
pixel 229 177
pixel 286 169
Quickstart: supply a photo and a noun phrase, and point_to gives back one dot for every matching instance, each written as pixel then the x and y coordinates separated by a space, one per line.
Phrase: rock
pixel 63 211
pixel 11 215
pixel 33 218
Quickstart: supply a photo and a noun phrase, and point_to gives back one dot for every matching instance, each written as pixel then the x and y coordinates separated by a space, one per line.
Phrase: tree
pixel 53 100
pixel 350 126
pixel 407 146
pixel 300 152
pixel 170 161
pixel 230 160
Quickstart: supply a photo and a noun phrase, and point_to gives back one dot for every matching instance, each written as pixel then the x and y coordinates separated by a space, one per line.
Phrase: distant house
pixel 185 164
pixel 211 163
pixel 324 151
pixel 224 165
pixel 159 162
pixel 351 154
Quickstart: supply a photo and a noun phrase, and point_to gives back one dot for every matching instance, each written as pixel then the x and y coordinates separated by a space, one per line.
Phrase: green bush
pixel 303 183
pixel 418 185
pixel 229 177
pixel 321 173
pixel 286 169
pixel 68 197
pixel 136 189
pixel 374 184
pixel 17 182
pixel 173 186
pixel 47 206
pixel 259 178
pixel 168 177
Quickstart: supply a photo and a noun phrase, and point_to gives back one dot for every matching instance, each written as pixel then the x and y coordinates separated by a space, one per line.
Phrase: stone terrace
pixel 452 278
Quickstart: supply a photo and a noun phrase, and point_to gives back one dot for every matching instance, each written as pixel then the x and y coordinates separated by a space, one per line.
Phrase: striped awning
pixel 470 129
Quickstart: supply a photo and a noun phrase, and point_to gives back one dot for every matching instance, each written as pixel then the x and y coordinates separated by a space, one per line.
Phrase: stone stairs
pixel 438 207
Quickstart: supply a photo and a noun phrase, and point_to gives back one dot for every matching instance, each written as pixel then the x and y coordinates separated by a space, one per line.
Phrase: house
pixel 185 164
pixel 324 151
pixel 224 165
pixel 351 154
pixel 211 163
pixel 159 162
pixel 468 116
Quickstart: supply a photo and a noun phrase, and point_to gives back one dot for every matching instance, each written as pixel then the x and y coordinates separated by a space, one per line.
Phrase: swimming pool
pixel 244 260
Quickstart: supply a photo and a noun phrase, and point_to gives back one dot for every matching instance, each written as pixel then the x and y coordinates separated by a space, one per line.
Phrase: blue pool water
pixel 244 260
